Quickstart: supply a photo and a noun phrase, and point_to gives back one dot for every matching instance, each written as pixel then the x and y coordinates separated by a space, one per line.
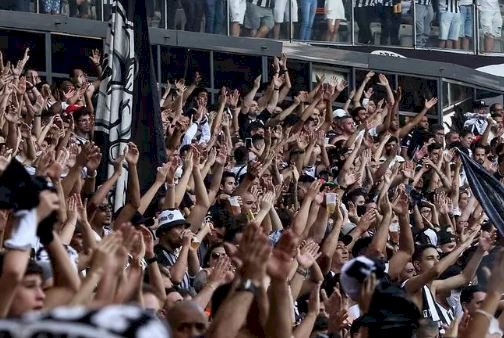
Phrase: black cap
pixel 479 104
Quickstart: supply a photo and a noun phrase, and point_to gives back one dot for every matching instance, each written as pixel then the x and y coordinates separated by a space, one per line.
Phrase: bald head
pixel 187 320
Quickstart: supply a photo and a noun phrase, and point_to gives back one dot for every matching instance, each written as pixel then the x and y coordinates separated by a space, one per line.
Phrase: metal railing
pixel 399 25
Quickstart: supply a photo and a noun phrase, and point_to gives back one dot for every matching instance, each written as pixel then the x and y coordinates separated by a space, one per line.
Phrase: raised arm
pixel 416 120
pixel 406 242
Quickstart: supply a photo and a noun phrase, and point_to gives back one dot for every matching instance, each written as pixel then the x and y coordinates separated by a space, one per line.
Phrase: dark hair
pixel 434 146
pixel 225 175
pixel 255 125
pixel 465 132
pixel 417 255
pixel 185 148
pixel 355 111
pixel 492 109
pixel 208 255
pixel 437 127
pixel 485 147
pixel 393 139
pixel 468 292
pixel 361 245
pixel 306 179
pixel 82 111
pixel 241 154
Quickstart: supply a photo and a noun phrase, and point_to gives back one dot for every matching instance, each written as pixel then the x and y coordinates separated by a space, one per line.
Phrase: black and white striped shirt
pixel 432 310
pixel 366 3
pixel 262 3
pixel 169 258
pixel 449 5
pixel 423 2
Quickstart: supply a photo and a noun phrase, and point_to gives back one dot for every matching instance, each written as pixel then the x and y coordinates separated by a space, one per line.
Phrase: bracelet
pixel 276 89
pixel 93 175
pixel 302 272
pixel 149 261
pixel 38 115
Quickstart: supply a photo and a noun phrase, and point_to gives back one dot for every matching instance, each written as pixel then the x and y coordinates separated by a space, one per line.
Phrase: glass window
pixel 332 22
pixel 72 51
pixel 13 44
pixel 236 71
pixel 178 63
pixel 299 73
pixel 18 5
pixel 84 10
pixel 415 91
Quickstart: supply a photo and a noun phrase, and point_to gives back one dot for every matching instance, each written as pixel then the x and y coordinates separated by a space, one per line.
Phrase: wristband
pixel 302 272
pixel 149 261
pixel 93 175
pixel 247 285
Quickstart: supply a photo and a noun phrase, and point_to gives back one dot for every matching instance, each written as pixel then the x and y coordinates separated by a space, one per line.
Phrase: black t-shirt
pixel 244 122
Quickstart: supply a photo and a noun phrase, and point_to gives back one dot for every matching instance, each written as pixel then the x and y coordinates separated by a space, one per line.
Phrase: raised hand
pixel 368 93
pixel 95 57
pixel 132 154
pixel 257 81
pixel 148 240
pixel 279 264
pixel 222 272
pixel 118 163
pixel 94 160
pixel 430 103
pixel 383 81
pixel 5 158
pixel 197 78
pixel 401 204
pixel 72 213
pixel 369 75
pixel 234 98
pixel 342 84
pixel 308 254
pixel 105 251
pixel 253 253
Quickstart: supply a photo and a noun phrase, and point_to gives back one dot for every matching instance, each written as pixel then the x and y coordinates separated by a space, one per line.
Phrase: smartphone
pixel 248 142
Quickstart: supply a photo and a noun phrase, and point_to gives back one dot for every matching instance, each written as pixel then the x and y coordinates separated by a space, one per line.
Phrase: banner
pixel 128 102
pixel 487 189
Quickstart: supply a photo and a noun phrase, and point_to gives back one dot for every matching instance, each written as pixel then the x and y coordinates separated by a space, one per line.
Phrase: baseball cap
pixel 479 104
pixel 355 271
pixel 338 113
pixel 169 219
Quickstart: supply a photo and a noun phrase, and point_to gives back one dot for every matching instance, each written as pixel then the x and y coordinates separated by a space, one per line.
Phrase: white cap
pixel 170 218
pixel 339 113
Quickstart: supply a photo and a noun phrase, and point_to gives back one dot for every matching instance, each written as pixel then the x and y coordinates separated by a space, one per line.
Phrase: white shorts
pixel 281 12
pixel 334 10
pixel 237 9
pixel 491 23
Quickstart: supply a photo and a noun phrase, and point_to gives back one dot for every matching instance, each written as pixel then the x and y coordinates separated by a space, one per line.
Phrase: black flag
pixel 487 189
pixel 128 104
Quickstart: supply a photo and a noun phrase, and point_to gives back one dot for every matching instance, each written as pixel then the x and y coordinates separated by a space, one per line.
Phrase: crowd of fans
pixel 445 24
pixel 273 217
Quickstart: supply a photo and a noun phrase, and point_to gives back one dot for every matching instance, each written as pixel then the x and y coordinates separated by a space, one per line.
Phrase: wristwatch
pixel 246 285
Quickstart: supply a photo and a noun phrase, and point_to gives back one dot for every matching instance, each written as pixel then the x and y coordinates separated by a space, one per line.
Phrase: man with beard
pixel 480 153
